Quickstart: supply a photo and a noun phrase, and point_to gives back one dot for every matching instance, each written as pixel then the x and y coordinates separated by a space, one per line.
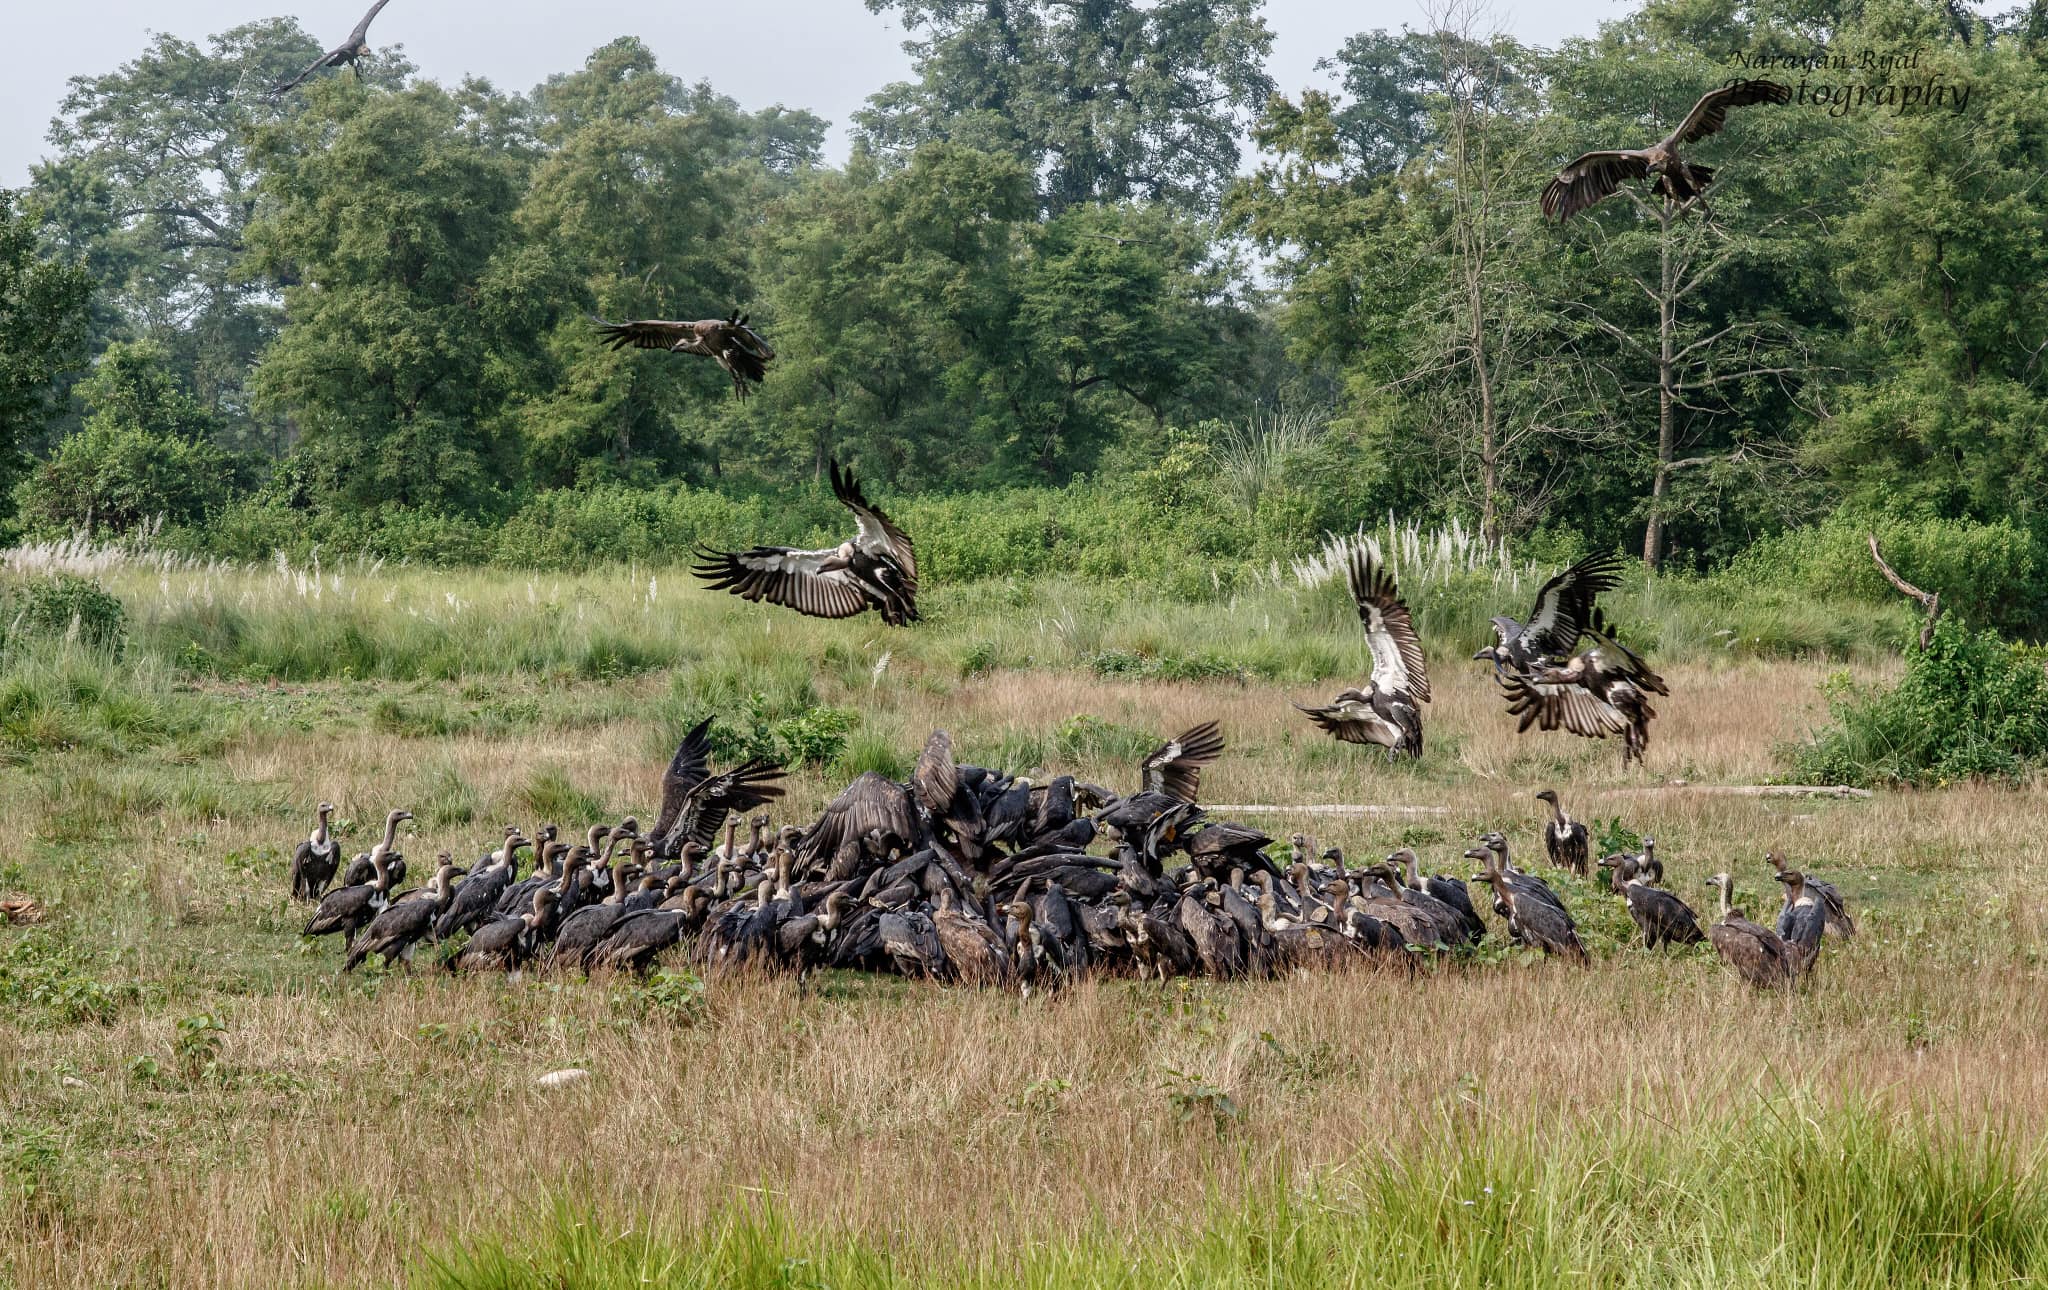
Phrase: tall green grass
pixel 1498 1195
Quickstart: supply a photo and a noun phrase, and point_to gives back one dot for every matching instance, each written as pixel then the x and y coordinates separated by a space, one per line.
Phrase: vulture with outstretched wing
pixel 1597 175
pixel 876 568
pixel 872 803
pixel 1602 690
pixel 348 51
pixel 1386 711
pixel 1174 768
pixel 735 346
pixel 1563 609
pixel 695 802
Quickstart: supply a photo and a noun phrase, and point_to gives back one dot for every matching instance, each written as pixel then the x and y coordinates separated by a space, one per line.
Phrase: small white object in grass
pixel 72 1081
pixel 563 1078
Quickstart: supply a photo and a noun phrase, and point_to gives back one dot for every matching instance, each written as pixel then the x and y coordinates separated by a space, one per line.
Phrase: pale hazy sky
pixel 825 55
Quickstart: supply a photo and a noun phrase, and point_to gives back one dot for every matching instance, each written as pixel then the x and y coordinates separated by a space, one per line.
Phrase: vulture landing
pixel 348 51
pixel 1563 612
pixel 1602 690
pixel 876 568
pixel 1595 176
pixel 1386 712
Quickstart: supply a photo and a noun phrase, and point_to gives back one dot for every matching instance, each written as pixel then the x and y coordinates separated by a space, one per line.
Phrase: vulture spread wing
pixel 782 576
pixel 686 770
pixel 1711 112
pixel 657 333
pixel 1564 607
pixel 1175 767
pixel 877 535
pixel 936 778
pixel 1591 179
pixel 346 52
pixel 717 796
pixel 1548 701
pixel 1389 631
pixel 871 801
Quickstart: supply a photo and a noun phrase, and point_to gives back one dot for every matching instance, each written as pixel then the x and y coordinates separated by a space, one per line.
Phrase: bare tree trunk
pixel 1667 394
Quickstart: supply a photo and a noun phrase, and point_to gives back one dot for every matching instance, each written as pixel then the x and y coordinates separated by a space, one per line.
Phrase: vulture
pixel 1596 175
pixel 348 51
pixel 1756 952
pixel 315 862
pixel 1832 905
pixel 1602 690
pixel 876 568
pixel 1564 609
pixel 1174 768
pixel 873 804
pixel 1386 712
pixel 695 802
pixel 1564 837
pixel 737 347
pixel 1802 921
pixel 1660 916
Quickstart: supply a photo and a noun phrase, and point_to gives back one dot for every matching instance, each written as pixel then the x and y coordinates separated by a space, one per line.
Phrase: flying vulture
pixel 1384 713
pixel 1603 689
pixel 1174 768
pixel 1596 176
pixel 1563 608
pixel 738 348
pixel 874 569
pixel 695 802
pixel 348 51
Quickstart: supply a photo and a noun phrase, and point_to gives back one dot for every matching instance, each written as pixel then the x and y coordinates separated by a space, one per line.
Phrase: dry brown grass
pixel 351 1123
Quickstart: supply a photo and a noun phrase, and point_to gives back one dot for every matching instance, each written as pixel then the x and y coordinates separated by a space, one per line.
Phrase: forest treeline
pixel 1089 274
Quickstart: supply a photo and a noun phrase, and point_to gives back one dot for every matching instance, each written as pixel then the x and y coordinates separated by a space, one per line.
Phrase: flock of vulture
pixel 972 875
pixel 975 875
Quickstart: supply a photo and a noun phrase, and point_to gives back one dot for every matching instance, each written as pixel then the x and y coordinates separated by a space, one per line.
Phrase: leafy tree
pixel 1105 100
pixel 43 305
pixel 154 184
pixel 647 197
pixel 146 452
pixel 1943 266
pixel 415 311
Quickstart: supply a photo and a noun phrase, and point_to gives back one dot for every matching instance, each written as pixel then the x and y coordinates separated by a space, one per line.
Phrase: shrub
pixel 1969 707
pixel 67 606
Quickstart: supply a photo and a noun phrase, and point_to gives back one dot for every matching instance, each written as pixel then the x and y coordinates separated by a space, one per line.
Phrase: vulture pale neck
pixel 759 827
pixel 782 859
pixel 1720 882
pixel 1302 886
pixel 543 901
pixel 320 834
pixel 598 833
pixel 763 893
pixel 732 833
pixel 692 853
pixel 1777 860
pixel 1409 865
pixel 1557 814
pixel 391 823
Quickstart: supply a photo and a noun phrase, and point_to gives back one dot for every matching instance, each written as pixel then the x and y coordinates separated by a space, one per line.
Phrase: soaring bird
pixel 876 568
pixel 1596 175
pixel 1564 609
pixel 1386 712
pixel 735 346
pixel 348 51
pixel 1602 690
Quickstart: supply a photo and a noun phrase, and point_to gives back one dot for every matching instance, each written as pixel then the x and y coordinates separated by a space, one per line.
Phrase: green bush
pixel 1969 707
pixel 66 606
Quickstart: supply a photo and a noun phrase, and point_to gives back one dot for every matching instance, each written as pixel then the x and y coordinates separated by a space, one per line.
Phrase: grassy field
pixel 189 1096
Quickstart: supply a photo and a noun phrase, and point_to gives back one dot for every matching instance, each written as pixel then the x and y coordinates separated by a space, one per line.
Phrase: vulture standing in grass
pixel 348 52
pixel 1545 924
pixel 404 923
pixel 1755 952
pixel 876 568
pixel 1603 689
pixel 1832 905
pixel 1564 837
pixel 695 802
pixel 1659 915
pixel 349 909
pixel 1563 611
pixel 1592 178
pixel 1387 711
pixel 1802 921
pixel 315 862
pixel 735 346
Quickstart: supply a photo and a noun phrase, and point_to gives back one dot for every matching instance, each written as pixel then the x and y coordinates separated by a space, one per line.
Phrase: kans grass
pixel 190 1096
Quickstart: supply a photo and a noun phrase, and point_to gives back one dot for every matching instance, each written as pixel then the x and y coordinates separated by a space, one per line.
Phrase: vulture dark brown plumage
pixel 1595 176
pixel 1603 689
pixel 348 52
pixel 734 345
pixel 695 803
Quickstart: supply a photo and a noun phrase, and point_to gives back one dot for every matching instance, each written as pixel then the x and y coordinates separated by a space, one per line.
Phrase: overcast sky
pixel 825 55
